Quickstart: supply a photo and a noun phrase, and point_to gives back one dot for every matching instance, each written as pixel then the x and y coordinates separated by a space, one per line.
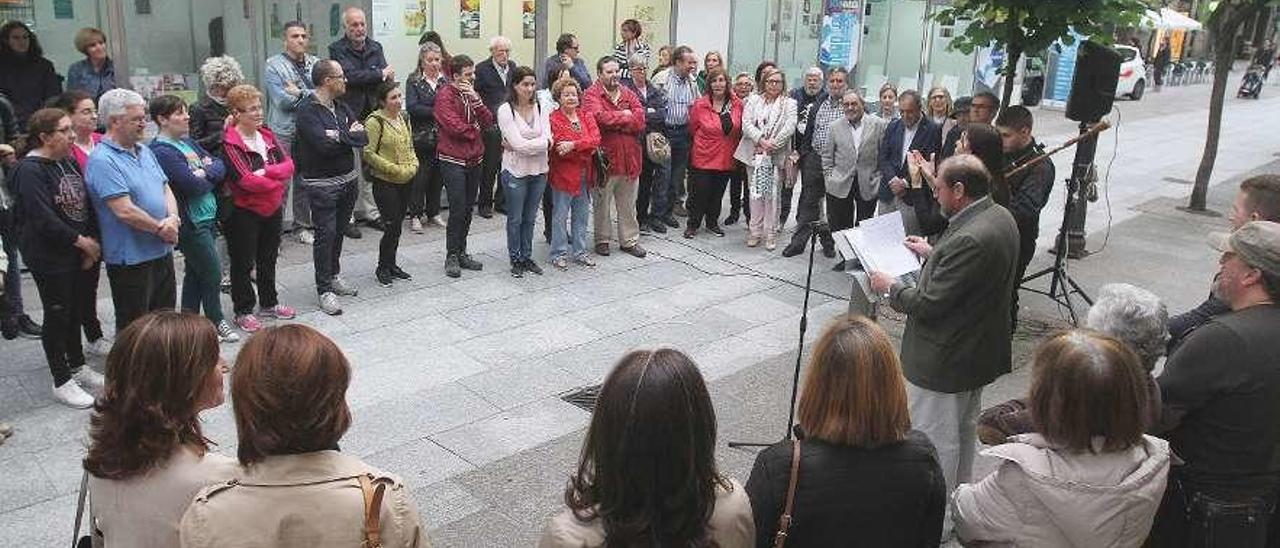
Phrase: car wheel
pixel 1138 89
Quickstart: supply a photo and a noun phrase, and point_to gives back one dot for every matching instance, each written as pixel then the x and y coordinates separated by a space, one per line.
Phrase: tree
pixel 1224 25
pixel 1021 26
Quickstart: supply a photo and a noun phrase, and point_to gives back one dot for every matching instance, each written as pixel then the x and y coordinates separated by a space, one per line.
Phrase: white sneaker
pixel 71 395
pixel 99 348
pixel 329 304
pixel 306 237
pixel 90 378
pixel 415 225
pixel 436 220
pixel 226 333
pixel 341 287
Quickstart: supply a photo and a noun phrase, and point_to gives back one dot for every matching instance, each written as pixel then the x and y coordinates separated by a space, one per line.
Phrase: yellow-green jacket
pixel 390 150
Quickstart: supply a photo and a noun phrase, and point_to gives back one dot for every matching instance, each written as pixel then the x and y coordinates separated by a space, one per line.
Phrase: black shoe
pixel 500 209
pixel 671 221
pixel 547 236
pixel 644 227
pixel 28 328
pixel 451 267
pixel 829 251
pixel 9 329
pixel 732 218
pixel 467 263
pixel 795 248
pixel 530 266
pixel 657 226
pixel 375 224
pixel 635 251
pixel 715 229
pixel 517 269
pixel 397 272
pixel 383 276
pixel 690 232
pixel 485 211
pixel 839 267
pixel 352 231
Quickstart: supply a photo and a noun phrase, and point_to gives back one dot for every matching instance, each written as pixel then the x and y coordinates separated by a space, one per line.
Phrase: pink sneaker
pixel 248 323
pixel 279 312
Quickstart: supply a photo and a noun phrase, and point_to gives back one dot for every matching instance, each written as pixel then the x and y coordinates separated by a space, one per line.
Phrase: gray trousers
pixel 298 214
pixel 950 421
pixel 366 209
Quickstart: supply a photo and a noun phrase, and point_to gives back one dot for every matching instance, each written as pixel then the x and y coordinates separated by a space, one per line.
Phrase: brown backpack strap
pixel 784 522
pixel 372 510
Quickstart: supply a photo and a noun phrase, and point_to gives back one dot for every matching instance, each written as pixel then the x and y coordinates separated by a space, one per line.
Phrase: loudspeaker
pixel 1094 87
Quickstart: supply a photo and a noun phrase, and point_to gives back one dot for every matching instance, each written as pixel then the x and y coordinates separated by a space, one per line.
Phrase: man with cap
pixel 1221 392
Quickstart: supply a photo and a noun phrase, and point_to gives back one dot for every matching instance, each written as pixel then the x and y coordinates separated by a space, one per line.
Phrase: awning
pixel 1169 19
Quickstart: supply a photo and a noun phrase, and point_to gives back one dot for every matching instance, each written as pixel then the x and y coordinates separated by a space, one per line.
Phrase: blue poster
pixel 841 29
pixel 1062 71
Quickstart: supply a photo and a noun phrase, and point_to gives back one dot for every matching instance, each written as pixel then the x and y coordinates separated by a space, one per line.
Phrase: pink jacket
pixel 261 194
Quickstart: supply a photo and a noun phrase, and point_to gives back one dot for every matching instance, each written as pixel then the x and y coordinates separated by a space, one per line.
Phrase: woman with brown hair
pixel 865 477
pixel 1090 477
pixel 95 74
pixel 715 127
pixel 630 45
pixel 148 455
pixel 296 487
pixel 647 476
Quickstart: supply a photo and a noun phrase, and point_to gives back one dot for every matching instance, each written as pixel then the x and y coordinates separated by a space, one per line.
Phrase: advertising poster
pixel 415 17
pixel 528 21
pixel 1061 71
pixel 468 18
pixel 382 16
pixel 841 30
pixel 988 64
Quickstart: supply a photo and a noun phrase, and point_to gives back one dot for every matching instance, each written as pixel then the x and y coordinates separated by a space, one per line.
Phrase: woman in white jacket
pixel 768 121
pixel 1090 477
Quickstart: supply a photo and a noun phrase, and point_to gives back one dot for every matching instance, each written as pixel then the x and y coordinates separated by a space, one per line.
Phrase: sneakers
pixel 530 266
pixel 635 251
pixel 467 263
pixel 399 273
pixel 383 276
pixel 305 236
pixel 670 221
pixel 71 395
pixel 657 226
pixel 771 242
pixel 248 323
pixel 753 240
pixel 342 288
pixel 436 220
pixel 585 260
pixel 715 229
pixel 89 378
pixel 226 333
pixel 452 267
pixel 485 211
pixel 561 262
pixel 517 269
pixel 329 303
pixel 352 231
pixel 679 210
pixel 415 225
pixel 279 312
pixel 100 347
pixel 225 284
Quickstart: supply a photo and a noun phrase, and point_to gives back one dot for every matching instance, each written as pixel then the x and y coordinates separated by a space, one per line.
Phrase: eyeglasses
pixel 774 81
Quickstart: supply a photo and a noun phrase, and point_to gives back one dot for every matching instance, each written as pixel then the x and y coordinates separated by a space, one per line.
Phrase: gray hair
pixel 813 71
pixel 638 58
pixel 114 102
pixel 346 14
pixel 1135 316
pixel 855 93
pixel 499 41
pixel 223 72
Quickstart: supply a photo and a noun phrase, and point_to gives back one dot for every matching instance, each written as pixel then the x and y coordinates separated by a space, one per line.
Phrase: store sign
pixel 841 33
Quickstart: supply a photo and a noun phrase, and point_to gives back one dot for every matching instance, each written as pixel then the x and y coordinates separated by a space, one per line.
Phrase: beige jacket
pixel 312 500
pixel 143 512
pixel 732 525
pixel 1042 497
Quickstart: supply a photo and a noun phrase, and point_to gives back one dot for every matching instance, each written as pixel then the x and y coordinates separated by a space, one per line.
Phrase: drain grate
pixel 583 398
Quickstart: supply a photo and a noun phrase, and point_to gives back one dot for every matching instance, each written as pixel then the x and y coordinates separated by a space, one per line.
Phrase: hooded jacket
pixel 461 120
pixel 390 150
pixel 261 194
pixel 1043 497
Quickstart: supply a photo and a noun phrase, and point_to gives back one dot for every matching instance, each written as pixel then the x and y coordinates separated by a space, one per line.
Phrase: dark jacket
pixel 892 162
pixel 54 211
pixel 318 156
pixel 958 316
pixel 1028 193
pixel 489 84
pixel 27 82
pixel 461 122
pixel 851 496
pixel 81 76
pixel 207 120
pixel 186 186
pixel 420 101
pixel 654 101
pixel 949 142
pixel 803 113
pixel 363 69
pixel 1183 324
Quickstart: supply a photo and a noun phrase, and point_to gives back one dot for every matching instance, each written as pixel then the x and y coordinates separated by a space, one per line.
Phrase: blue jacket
pixel 363 69
pixel 186 186
pixel 489 84
pixel 655 105
pixel 280 105
pixel 579 71
pixel 892 162
pixel 81 76
pixel 318 156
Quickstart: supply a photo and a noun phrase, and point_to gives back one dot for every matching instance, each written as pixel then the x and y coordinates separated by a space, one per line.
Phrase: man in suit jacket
pixel 957 335
pixel 911 131
pixel 491 84
pixel 851 164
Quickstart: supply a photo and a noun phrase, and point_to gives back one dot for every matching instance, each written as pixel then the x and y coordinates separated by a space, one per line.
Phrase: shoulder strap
pixel 372 510
pixel 84 492
pixel 784 522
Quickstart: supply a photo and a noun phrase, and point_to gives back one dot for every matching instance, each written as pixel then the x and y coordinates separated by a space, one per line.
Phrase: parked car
pixel 1133 73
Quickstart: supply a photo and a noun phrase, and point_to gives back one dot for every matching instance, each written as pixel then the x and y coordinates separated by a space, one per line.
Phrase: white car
pixel 1133 73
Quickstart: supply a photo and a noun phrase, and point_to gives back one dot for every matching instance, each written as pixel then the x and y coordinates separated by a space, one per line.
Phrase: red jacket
pixel 619 131
pixel 461 122
pixel 261 194
pixel 567 170
pixel 712 149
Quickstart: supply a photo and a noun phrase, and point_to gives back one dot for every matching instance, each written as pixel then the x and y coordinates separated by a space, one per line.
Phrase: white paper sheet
pixel 878 243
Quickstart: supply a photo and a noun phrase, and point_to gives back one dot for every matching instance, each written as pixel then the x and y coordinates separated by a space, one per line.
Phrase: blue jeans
pixel 523 194
pixel 564 206
pixel 202 277
pixel 678 136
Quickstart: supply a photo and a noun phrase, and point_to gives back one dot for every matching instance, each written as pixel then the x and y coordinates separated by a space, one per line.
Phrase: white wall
pixel 703 25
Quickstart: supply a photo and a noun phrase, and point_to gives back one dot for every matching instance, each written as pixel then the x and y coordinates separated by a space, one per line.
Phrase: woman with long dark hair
pixel 28 78
pixel 526 138
pixel 148 455
pixel 715 126
pixel 420 101
pixel 647 475
pixel 980 140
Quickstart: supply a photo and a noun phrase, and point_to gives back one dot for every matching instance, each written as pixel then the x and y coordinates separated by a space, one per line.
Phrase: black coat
pixel 207 120
pixel 489 84
pixel 893 496
pixel 927 140
pixel 28 82
pixel 363 69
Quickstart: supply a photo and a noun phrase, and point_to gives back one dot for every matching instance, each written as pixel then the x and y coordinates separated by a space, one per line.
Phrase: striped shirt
pixel 681 93
pixel 829 111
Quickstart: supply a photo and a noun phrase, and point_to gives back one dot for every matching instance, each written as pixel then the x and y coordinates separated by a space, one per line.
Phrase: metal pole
pixel 926 45
pixel 540 29
pixel 118 42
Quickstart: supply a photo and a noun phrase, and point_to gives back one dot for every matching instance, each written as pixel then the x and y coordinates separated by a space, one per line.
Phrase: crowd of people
pixel 1107 448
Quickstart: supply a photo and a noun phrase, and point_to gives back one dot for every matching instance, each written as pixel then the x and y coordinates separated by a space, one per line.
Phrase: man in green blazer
pixel 957 335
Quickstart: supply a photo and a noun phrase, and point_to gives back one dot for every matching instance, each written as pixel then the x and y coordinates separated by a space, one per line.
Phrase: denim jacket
pixel 81 76
pixel 281 105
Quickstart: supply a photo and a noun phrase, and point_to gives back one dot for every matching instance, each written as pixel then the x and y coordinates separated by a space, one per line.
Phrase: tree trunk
pixel 1010 71
pixel 1224 42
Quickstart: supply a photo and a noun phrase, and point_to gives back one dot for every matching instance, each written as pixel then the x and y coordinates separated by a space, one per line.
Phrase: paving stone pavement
pixel 456 382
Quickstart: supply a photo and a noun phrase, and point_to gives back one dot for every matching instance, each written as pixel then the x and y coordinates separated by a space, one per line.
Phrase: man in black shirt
pixel 1221 393
pixel 1029 190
